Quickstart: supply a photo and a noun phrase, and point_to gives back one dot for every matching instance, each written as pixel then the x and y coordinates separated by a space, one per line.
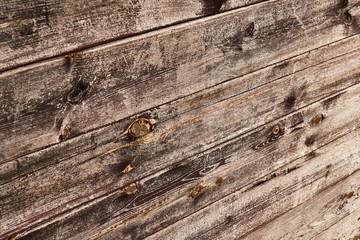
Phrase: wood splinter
pixel 128 169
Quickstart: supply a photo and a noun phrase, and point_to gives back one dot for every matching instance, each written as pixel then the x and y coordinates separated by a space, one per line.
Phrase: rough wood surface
pixel 154 120
pixel 64 185
pixel 326 216
pixel 237 214
pixel 163 198
pixel 109 83
pixel 72 25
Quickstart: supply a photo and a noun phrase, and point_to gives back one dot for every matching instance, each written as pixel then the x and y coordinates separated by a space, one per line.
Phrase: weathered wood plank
pixel 106 84
pixel 33 30
pixel 239 213
pixel 170 110
pixel 347 228
pixel 334 209
pixel 84 179
pixel 159 194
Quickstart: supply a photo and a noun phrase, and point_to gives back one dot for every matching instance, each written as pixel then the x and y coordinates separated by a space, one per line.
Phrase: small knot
pixel 78 93
pixel 249 31
pixel 141 127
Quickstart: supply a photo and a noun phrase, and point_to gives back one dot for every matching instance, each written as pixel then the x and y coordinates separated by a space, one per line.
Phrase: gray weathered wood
pixel 109 83
pixel 84 177
pixel 170 110
pixel 331 211
pixel 347 228
pixel 33 30
pixel 239 213
pixel 159 194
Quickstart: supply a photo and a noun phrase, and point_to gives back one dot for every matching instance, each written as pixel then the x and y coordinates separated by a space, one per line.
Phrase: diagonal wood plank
pixel 84 177
pixel 33 30
pixel 106 84
pixel 240 213
pixel 332 213
pixel 171 110
pixel 232 166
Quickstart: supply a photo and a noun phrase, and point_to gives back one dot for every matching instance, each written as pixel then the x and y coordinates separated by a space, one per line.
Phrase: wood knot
pixel 78 92
pixel 141 127
pixel 130 189
pixel 317 120
pixel 64 132
pixel 249 31
pixel 348 19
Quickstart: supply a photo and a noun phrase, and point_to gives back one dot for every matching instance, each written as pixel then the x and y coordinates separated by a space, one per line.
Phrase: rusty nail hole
pixel 64 132
pixel 128 169
pixel 317 119
pixel 141 127
pixel 249 31
pixel 276 130
pixel 131 189
pixel 348 18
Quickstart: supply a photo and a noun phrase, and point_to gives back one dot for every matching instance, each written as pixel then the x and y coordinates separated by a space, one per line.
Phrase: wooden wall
pixel 191 119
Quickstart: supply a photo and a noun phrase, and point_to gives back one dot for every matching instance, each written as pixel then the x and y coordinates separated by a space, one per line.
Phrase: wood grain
pixel 275 197
pixel 84 143
pixel 103 85
pixel 34 30
pixel 86 177
pixel 164 197
pixel 333 213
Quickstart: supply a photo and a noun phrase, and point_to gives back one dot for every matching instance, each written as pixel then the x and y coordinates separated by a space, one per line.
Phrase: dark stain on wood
pixel 310 140
pixel 211 6
pixel 78 92
pixel 343 4
pixel 290 100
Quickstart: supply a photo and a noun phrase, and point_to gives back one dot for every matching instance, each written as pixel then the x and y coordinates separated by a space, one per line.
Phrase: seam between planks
pixel 136 36
pixel 183 97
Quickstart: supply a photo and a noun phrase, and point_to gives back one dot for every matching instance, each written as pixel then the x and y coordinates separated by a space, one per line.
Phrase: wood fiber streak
pixel 330 213
pixel 89 89
pixel 248 210
pixel 236 163
pixel 33 30
pixel 67 184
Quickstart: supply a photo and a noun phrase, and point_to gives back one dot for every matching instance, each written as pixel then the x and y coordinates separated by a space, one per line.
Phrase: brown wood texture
pixel 69 26
pixel 106 84
pixel 93 176
pixel 180 120
pixel 326 216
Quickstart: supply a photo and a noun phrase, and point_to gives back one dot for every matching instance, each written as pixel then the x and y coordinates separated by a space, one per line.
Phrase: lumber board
pixel 239 213
pixel 79 179
pixel 347 228
pixel 102 85
pixel 157 204
pixel 332 214
pixel 84 143
pixel 39 29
